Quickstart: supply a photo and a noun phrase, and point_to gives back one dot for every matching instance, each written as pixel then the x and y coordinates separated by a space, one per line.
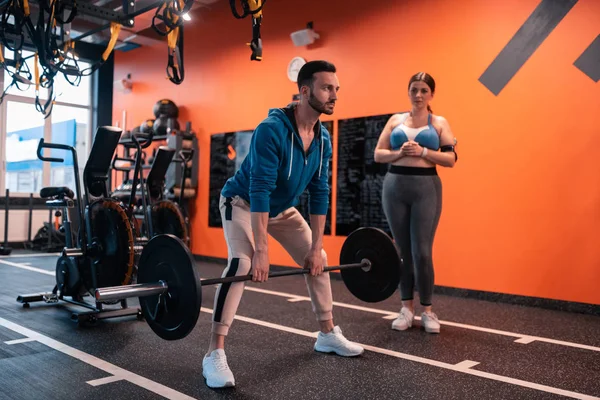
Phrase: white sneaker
pixel 335 342
pixel 430 322
pixel 404 321
pixel 216 371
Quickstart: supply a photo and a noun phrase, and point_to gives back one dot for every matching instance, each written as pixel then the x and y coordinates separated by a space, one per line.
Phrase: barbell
pixel 169 286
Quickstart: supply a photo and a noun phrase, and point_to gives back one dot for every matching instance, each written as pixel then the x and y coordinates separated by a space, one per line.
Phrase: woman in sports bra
pixel 414 143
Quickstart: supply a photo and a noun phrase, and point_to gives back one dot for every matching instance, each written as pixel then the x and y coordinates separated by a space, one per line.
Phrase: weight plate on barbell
pixel 171 315
pixel 382 279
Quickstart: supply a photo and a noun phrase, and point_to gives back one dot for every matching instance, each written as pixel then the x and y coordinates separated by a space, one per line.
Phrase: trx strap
pixel 22 74
pixel 172 12
pixel 254 8
pixel 45 109
pixel 256 43
pixel 175 69
pixel 46 24
pixel 115 29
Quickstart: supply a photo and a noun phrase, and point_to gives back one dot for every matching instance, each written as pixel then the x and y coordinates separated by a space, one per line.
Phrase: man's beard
pixel 318 106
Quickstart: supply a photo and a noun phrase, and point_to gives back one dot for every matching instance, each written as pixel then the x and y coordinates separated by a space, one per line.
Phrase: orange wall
pixel 521 207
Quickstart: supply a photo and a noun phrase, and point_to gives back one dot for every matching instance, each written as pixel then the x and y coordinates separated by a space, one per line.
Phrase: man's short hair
pixel 308 70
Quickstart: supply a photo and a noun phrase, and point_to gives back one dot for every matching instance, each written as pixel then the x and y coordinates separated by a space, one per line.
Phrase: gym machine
pixel 104 252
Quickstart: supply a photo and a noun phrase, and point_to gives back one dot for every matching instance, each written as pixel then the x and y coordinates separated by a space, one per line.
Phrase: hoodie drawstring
pixel 292 156
pixel 321 162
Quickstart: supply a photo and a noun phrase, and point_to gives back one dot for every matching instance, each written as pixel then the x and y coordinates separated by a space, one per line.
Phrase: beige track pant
pixel 291 230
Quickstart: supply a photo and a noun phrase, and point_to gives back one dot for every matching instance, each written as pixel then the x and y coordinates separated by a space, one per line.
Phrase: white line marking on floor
pixel 294 300
pixel 31 255
pixel 387 315
pixel 466 364
pixel 524 339
pixel 422 360
pixel 104 381
pixel 19 341
pixel 27 267
pixel 97 362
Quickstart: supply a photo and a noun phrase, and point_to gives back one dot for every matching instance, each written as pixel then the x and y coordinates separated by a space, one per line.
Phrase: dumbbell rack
pixel 181 142
pixel 129 144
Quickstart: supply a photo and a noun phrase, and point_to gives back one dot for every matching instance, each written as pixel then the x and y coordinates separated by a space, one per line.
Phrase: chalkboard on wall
pixel 304 198
pixel 359 177
pixel 227 151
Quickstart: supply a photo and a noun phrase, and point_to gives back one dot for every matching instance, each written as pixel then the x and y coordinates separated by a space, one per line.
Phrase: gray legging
pixel 412 203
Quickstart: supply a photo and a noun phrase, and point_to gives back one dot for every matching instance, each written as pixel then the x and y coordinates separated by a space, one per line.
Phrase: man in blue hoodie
pixel 289 153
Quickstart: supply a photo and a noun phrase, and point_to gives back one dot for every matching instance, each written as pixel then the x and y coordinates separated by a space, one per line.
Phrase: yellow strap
pixel 172 38
pixel 1 54
pixel 37 73
pixel 257 4
pixel 115 28
pixel 26 7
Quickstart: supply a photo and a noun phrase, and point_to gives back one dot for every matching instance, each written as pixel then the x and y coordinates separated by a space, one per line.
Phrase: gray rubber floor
pixel 485 350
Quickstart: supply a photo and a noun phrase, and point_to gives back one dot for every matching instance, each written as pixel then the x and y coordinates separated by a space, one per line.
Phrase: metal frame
pixel 125 15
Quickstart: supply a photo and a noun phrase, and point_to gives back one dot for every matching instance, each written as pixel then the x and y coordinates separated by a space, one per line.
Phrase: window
pixel 22 126
pixel 24 130
pixel 70 126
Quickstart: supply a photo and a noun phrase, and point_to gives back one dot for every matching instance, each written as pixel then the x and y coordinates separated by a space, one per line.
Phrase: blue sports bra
pixel 426 136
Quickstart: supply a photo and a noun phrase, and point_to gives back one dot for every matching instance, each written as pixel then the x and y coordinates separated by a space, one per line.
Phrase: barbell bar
pixel 161 287
pixel 169 286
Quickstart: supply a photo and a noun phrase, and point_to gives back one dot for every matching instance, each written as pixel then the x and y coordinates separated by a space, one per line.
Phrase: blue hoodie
pixel 276 170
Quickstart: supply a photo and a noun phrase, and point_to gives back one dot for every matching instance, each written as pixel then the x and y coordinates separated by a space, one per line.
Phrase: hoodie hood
pixel 277 170
pixel 287 116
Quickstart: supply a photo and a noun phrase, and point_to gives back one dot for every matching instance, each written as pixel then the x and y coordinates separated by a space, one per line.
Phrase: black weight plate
pixel 111 229
pixel 167 218
pixel 381 281
pixel 67 276
pixel 166 258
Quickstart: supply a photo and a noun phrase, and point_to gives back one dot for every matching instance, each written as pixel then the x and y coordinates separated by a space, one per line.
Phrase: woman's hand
pixel 412 149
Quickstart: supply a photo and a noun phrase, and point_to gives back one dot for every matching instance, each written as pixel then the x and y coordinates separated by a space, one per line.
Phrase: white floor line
pixel 461 367
pixel 31 255
pixel 27 267
pixel 107 367
pixel 104 381
pixel 466 364
pixel 295 300
pixel 19 341
pixel 525 340
pixel 521 338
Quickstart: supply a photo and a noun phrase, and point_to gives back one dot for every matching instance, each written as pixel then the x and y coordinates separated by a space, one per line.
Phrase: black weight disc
pixel 147 126
pixel 173 314
pixel 111 229
pixel 163 126
pixel 166 108
pixel 168 218
pixel 381 281
pixel 68 279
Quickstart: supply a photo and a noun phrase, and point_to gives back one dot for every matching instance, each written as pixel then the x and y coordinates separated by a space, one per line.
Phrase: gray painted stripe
pixel 524 43
pixel 589 61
